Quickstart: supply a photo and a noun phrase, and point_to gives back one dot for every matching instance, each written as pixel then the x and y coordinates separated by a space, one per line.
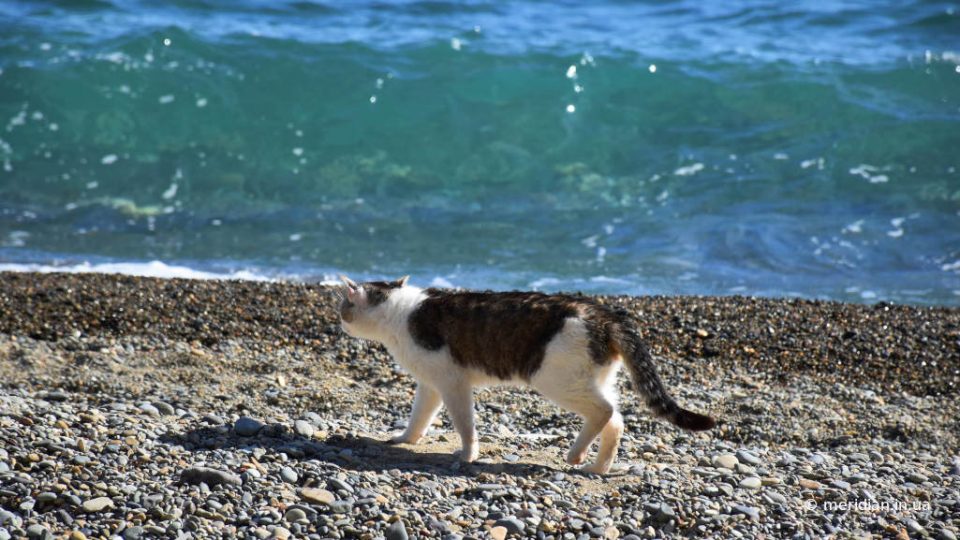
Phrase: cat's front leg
pixel 459 403
pixel 426 403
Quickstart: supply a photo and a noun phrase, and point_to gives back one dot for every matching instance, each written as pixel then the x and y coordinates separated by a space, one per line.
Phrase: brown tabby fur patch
pixel 505 334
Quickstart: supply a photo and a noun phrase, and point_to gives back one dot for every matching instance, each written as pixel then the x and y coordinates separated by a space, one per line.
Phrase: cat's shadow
pixel 353 452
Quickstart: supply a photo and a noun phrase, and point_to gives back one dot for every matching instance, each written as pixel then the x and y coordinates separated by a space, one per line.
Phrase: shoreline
pixel 144 407
pixel 883 346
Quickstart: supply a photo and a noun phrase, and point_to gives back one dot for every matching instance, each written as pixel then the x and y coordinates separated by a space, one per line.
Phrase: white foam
pixel 156 269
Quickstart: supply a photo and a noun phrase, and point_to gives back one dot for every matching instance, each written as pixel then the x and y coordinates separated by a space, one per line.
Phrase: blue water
pixel 783 149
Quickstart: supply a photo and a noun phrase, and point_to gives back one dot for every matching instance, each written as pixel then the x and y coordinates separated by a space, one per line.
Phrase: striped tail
pixel 647 382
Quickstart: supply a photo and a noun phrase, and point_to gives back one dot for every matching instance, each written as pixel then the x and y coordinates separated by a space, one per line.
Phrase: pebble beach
pixel 156 408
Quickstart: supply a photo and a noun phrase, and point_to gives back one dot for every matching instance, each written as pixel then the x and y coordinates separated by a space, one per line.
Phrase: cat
pixel 568 348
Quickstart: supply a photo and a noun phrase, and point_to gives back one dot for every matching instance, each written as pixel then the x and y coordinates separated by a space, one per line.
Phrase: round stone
pixel 289 475
pixel 727 461
pixel 317 496
pixel 303 428
pixel 247 427
pixel 751 482
pixel 295 514
pixel 97 505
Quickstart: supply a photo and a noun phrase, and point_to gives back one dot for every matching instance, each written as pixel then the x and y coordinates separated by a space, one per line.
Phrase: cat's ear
pixel 351 285
pixel 402 281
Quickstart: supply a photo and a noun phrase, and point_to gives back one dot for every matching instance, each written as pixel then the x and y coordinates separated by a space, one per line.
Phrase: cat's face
pixel 360 305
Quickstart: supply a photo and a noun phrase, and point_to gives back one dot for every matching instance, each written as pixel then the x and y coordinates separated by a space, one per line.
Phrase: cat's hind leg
pixel 426 403
pixel 459 402
pixel 573 380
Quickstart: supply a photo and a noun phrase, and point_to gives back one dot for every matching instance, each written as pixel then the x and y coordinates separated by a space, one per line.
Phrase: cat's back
pixel 502 333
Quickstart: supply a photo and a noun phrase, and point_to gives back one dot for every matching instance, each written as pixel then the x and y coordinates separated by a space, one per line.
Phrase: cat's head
pixel 362 305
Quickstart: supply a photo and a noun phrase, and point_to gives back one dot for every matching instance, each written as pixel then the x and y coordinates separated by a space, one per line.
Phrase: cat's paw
pixel 467 455
pixel 403 438
pixel 576 458
pixel 596 468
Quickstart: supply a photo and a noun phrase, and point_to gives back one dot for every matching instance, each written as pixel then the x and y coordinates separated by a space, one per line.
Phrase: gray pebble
pixel 38 532
pixel 148 408
pixel 749 458
pixel 749 511
pixel 947 534
pixel 132 533
pixel 211 477
pixel 396 531
pixel 289 475
pixel 512 524
pixel 304 428
pixel 98 504
pixel 247 427
pixel 165 408
pixel 294 515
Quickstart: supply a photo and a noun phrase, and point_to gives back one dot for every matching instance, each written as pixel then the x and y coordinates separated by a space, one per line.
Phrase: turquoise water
pixel 790 149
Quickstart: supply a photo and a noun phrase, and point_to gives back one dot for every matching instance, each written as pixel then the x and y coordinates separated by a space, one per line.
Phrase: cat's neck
pixel 394 324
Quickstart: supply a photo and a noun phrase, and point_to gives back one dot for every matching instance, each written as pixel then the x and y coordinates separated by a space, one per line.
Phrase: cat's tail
pixel 639 364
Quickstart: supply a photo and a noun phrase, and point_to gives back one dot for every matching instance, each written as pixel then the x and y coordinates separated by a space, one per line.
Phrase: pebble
pixel 149 408
pixel 396 531
pixel 727 461
pixel 916 528
pixel 39 532
pixel 289 475
pixel 295 514
pixel 511 524
pixel 209 476
pixel 916 478
pixel 751 482
pixel 318 496
pixel 98 504
pixel 165 408
pixel 247 427
pixel 749 511
pixel 947 534
pixel 498 532
pixel 304 428
pixel 748 458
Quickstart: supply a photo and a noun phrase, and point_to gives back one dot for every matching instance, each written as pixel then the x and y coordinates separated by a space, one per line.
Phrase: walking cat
pixel 568 348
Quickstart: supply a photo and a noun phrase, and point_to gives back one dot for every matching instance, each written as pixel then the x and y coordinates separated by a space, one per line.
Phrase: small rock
pixel 947 534
pixel 840 484
pixel 511 524
pixel 165 408
pixel 38 532
pixel 211 477
pixel 396 531
pixel 727 461
pixel 916 478
pixel 303 428
pixel 289 475
pixel 97 505
pixel 295 514
pixel 247 427
pixel 317 496
pixel 665 513
pixel 806 483
pixel 133 533
pixel 77 535
pixel 749 511
pixel 748 458
pixel 751 482
pixel 498 533
pixel 916 528
pixel 148 408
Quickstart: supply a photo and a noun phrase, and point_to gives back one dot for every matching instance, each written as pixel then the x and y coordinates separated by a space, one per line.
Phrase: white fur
pixel 567 377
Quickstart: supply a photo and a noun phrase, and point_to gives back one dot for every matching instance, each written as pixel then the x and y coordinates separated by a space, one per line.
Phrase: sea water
pixel 804 149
